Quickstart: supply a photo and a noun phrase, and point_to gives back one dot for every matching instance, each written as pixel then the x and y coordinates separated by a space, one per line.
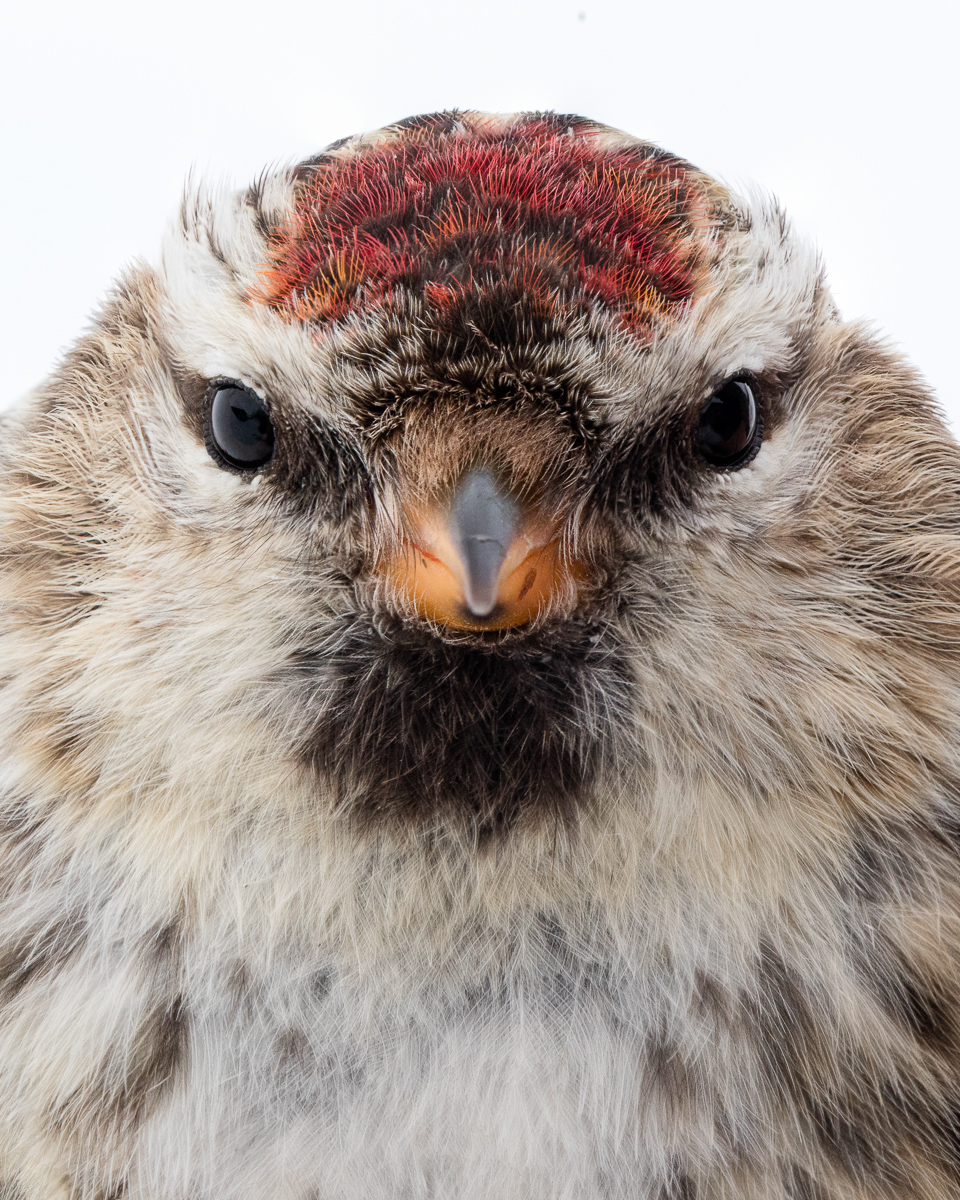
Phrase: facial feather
pixel 307 894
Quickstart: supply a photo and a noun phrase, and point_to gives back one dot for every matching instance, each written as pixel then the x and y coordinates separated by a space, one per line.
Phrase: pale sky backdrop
pixel 847 110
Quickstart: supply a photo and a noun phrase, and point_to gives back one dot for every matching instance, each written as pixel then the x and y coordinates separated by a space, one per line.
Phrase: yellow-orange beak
pixel 482 562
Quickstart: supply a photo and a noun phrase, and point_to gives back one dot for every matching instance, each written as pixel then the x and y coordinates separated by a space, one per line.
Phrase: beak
pixel 482 560
pixel 483 526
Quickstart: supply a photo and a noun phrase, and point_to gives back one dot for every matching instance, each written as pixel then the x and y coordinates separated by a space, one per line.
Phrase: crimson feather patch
pixel 551 213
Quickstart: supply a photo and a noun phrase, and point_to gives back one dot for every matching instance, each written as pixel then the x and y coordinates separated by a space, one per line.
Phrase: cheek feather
pixel 548 212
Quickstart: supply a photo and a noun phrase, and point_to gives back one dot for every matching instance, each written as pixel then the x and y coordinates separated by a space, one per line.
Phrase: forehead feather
pixel 554 213
pixel 531 229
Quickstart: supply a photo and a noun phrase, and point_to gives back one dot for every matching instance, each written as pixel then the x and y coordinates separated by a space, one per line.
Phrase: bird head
pixel 484 471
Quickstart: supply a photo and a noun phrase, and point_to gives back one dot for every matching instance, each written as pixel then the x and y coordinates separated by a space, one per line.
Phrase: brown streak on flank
pixel 17 824
pixel 155 1057
pixel 66 744
pixel 128 1087
pixel 166 943
pixel 876 1133
pixel 801 1185
pixel 114 1191
pixel 680 1186
pixel 37 954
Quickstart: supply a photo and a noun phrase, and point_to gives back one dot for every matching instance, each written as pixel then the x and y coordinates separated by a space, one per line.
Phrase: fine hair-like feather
pixel 303 895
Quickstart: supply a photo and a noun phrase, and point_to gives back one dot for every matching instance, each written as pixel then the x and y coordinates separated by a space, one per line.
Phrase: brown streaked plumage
pixel 324 873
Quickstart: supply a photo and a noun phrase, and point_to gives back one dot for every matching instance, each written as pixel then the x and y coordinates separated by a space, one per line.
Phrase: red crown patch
pixel 551 211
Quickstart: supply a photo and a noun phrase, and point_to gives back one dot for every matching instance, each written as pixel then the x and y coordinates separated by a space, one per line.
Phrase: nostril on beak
pixel 483 524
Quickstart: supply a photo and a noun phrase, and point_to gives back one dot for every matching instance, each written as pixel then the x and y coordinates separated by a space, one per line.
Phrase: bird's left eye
pixel 239 432
pixel 731 426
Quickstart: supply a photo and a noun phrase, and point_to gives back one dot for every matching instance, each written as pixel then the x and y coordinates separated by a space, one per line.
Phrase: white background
pixel 846 110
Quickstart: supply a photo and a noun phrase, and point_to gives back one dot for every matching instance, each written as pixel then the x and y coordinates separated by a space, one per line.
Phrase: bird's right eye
pixel 731 426
pixel 238 431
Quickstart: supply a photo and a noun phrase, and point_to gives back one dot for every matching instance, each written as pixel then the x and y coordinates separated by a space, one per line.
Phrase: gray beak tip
pixel 483 525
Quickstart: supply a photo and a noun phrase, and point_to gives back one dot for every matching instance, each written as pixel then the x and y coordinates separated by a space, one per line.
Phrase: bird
pixel 480 707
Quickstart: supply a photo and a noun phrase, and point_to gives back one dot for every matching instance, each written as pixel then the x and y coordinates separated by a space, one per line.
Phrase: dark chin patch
pixel 460 736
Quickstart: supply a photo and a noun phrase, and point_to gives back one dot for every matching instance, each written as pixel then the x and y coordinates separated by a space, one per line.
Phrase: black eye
pixel 238 430
pixel 731 426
